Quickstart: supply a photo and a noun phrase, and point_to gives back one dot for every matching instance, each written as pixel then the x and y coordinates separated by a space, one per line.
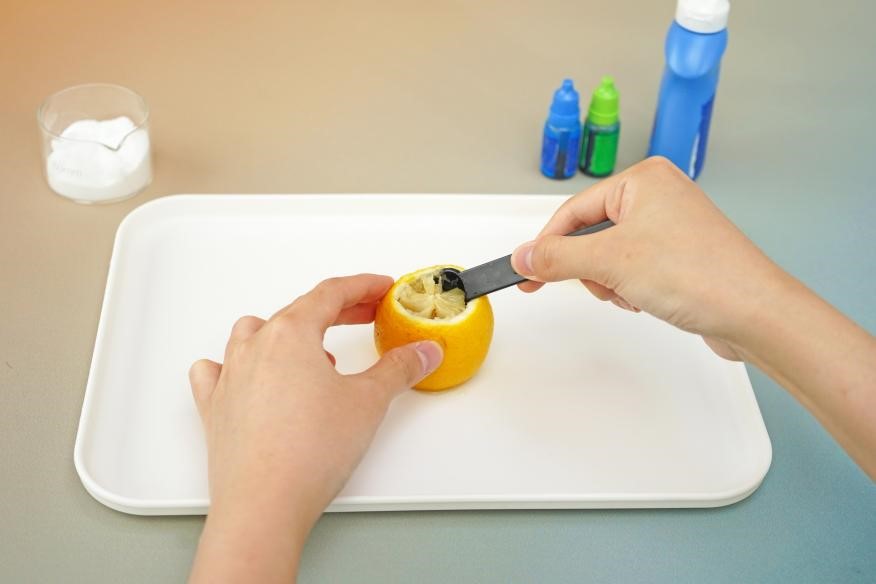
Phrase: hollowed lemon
pixel 417 309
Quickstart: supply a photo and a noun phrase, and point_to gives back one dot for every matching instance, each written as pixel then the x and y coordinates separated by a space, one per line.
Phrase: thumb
pixel 402 367
pixel 552 258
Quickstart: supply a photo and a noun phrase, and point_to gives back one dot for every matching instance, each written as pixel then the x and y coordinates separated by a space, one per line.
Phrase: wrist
pixel 762 312
pixel 251 541
pixel 263 506
pixel 820 357
pixel 255 531
pixel 787 331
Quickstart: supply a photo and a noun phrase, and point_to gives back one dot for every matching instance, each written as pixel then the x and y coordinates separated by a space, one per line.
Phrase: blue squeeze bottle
pixel 562 134
pixel 694 47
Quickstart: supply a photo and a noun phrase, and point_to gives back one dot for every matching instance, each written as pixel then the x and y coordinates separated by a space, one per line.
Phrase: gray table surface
pixel 396 96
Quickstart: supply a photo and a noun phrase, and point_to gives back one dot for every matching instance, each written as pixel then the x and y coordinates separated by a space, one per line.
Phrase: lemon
pixel 417 309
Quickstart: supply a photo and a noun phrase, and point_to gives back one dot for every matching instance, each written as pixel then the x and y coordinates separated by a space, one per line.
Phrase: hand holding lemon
pixel 285 429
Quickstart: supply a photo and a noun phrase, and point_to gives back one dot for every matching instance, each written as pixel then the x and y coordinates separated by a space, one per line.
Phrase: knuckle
pixel 544 257
pixel 202 377
pixel 662 166
pixel 295 309
pixel 319 295
pixel 302 307
pixel 279 329
pixel 326 286
pixel 244 323
pixel 657 163
pixel 400 359
pixel 395 359
pixel 196 368
pixel 242 351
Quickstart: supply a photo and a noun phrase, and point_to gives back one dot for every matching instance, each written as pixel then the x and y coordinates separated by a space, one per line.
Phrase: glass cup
pixel 95 143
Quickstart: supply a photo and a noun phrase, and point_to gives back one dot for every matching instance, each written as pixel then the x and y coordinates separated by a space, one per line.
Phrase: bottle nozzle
pixel 565 101
pixel 604 104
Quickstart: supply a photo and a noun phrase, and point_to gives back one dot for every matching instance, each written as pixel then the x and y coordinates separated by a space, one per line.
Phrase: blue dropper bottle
pixel 562 134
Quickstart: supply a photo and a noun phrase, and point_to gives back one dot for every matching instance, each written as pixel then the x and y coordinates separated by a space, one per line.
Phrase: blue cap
pixel 566 102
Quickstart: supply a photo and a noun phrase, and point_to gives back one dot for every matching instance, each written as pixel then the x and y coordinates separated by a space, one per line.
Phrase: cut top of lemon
pixel 422 295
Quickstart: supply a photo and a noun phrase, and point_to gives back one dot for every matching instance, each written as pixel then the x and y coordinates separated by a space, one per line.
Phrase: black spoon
pixel 497 274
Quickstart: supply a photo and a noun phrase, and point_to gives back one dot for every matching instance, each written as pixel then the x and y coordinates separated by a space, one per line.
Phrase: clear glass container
pixel 95 143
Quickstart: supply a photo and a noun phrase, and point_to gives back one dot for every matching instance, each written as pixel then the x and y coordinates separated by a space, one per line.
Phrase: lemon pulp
pixel 424 296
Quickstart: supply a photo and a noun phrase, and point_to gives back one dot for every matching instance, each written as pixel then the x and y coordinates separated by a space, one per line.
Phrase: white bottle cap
pixel 704 16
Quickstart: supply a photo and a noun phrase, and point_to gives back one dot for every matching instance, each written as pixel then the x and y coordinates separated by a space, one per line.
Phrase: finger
pixel 244 327
pixel 331 358
pixel 203 377
pixel 588 207
pixel 599 290
pixel 320 308
pixel 530 286
pixel 402 367
pixel 359 314
pixel 552 258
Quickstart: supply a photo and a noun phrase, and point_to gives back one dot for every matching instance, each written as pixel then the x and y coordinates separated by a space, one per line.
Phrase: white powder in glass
pixel 99 160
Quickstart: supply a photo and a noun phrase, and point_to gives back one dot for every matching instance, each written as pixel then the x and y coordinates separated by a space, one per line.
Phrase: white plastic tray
pixel 579 404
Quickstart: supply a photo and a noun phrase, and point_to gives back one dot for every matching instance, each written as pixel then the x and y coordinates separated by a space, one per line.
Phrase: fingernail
pixel 430 354
pixel 523 258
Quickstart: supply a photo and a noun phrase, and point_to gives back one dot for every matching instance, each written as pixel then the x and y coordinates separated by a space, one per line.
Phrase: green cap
pixel 604 104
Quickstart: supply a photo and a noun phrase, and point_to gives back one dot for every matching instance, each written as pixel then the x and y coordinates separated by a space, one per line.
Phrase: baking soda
pixel 99 160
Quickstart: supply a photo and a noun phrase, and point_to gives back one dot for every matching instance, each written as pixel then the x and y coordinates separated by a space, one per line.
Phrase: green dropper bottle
pixel 601 131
